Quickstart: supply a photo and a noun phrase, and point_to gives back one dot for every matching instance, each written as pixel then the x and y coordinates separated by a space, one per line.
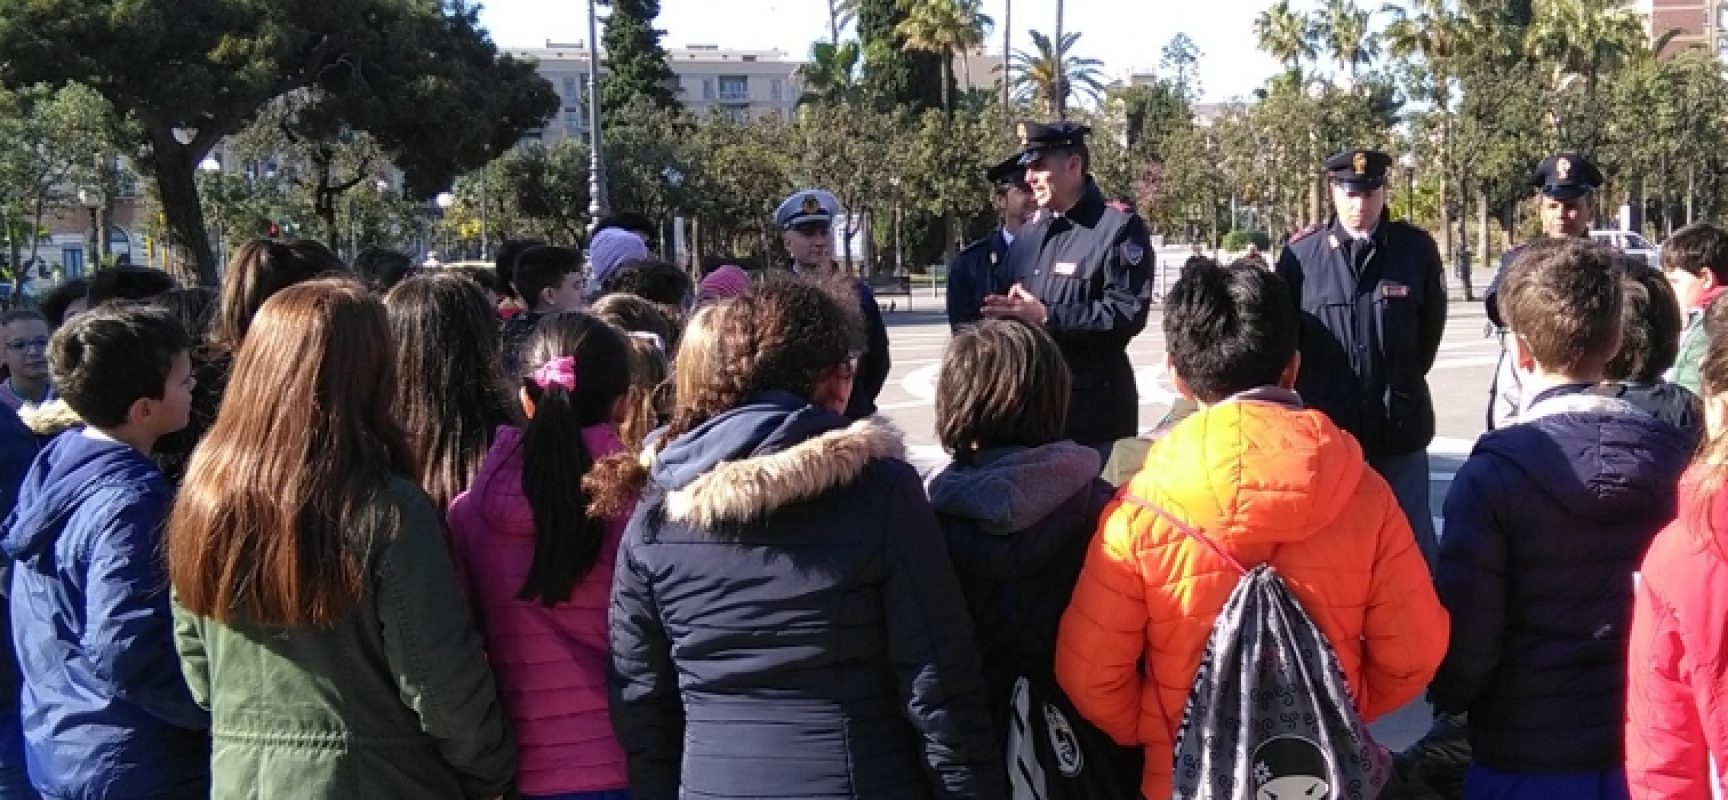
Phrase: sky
pixel 1126 35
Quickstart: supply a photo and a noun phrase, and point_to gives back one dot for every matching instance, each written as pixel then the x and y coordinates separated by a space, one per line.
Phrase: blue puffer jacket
pixel 106 712
pixel 1545 525
pixel 17 450
pixel 785 621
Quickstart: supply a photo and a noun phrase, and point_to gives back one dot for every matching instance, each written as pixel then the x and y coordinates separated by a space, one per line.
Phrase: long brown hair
pixel 450 388
pixel 281 499
pixel 258 270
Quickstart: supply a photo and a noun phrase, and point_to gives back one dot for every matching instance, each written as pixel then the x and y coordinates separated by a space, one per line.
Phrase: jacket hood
pixel 51 418
pixel 1254 470
pixel 771 452
pixel 1011 489
pixel 1593 454
pixel 69 470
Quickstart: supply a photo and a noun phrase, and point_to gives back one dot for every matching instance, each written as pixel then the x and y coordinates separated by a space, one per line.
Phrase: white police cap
pixel 810 205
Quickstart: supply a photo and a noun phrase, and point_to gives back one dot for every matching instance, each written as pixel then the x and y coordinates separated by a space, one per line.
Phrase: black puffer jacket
pixel 785 621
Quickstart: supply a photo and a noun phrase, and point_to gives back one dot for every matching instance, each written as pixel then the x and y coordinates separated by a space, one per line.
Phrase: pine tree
pixel 635 62
pixel 894 77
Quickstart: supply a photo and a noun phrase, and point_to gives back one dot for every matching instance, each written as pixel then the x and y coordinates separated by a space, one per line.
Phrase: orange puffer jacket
pixel 1255 477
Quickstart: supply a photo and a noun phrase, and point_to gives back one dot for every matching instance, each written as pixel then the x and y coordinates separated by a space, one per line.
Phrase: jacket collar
pixel 743 489
pixel 1089 209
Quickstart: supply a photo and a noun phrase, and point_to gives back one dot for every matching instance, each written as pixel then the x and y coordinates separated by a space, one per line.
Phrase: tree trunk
pixel 173 167
pixel 1058 55
pixel 1482 218
pixel 1007 47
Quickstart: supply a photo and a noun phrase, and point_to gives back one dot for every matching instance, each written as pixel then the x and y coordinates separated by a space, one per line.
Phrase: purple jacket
pixel 550 662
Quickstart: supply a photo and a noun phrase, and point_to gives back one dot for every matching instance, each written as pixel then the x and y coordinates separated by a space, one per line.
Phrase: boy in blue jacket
pixel 106 713
pixel 1545 526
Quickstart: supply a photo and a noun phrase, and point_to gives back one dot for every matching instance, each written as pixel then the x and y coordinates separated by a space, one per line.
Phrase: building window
pixel 707 88
pixel 775 89
pixel 739 114
pixel 734 87
pixel 569 87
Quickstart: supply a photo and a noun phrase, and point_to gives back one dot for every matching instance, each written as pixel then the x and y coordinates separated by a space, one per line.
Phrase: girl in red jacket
pixel 1677 668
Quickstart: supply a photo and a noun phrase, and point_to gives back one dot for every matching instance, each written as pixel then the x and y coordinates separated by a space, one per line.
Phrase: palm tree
pixel 1007 49
pixel 1586 38
pixel 1345 29
pixel 1049 75
pixel 1286 35
pixel 841 13
pixel 831 75
pixel 946 28
pixel 1438 37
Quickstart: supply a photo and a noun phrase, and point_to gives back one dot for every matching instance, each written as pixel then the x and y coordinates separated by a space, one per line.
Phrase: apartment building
pixel 742 84
pixel 1696 23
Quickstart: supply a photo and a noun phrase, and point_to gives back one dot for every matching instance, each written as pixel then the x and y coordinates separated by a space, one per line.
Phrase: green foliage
pixel 893 77
pixel 1239 239
pixel 636 67
pixel 832 74
pixel 1049 76
pixel 1180 60
pixel 1153 113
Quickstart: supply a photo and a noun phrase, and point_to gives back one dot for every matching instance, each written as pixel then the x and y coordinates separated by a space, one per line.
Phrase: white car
pixel 1631 244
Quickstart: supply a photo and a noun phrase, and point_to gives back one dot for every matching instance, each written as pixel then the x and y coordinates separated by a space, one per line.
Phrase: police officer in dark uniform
pixel 1567 185
pixel 981 269
pixel 1373 312
pixel 1082 270
pixel 806 223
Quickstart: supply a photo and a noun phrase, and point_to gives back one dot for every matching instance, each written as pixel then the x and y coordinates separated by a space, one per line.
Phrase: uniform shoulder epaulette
pixel 977 243
pixel 1305 233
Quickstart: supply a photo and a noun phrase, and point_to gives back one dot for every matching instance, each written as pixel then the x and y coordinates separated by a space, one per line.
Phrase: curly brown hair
pixel 784 335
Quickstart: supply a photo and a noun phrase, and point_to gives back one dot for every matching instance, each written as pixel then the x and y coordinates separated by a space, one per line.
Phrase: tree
pixel 831 75
pixel 550 184
pixel 894 77
pixel 1153 114
pixel 1286 35
pixel 1349 38
pixel 1048 75
pixel 945 28
pixel 184 74
pixel 1180 62
pixel 51 142
pixel 1431 42
pixel 635 62
pixel 841 13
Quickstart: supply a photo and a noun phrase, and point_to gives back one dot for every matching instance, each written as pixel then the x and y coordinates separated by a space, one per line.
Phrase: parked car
pixel 1631 244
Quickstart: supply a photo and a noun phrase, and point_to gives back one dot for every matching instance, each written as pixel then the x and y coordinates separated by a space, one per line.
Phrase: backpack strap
pixel 1189 531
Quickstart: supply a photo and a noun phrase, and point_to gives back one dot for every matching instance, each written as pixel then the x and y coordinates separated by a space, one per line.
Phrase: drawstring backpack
pixel 1271 716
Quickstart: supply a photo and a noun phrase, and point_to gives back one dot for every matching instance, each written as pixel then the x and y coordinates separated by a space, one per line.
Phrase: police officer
pixel 1373 312
pixel 1082 271
pixel 806 223
pixel 981 269
pixel 1566 185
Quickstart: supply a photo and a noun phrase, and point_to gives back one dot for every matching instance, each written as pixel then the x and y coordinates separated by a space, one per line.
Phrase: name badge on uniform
pixel 1066 268
pixel 1395 290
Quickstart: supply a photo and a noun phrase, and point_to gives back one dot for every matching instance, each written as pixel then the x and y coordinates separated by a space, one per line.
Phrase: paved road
pixel 918 332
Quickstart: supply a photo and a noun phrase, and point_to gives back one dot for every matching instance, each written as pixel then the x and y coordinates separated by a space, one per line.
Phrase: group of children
pixel 613 547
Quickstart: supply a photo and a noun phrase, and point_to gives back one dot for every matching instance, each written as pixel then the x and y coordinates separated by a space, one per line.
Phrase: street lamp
pixel 444 201
pixel 91 199
pixel 596 166
pixel 899 251
pixel 212 167
pixel 1408 162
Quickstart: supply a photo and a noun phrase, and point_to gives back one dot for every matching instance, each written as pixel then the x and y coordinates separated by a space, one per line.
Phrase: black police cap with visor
pixel 1359 170
pixel 1037 138
pixel 1566 176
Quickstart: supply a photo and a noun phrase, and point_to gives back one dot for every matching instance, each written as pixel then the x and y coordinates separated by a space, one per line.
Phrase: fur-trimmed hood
pixel 50 419
pixel 770 453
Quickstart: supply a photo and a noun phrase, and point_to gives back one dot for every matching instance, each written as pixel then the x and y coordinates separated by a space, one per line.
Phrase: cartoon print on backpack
pixel 1069 758
pixel 1291 768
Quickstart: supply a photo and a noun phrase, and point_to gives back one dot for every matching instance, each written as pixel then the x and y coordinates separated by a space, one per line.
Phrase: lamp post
pixel 899 251
pixel 212 167
pixel 596 166
pixel 444 200
pixel 91 199
pixel 1408 162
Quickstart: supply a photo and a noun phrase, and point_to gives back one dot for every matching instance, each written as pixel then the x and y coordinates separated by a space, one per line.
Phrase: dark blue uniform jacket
pixel 1091 267
pixel 980 270
pixel 1373 313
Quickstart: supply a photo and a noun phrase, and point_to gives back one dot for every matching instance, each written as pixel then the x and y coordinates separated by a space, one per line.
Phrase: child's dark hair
pixel 787 334
pixel 20 315
pixel 256 272
pixel 127 283
pixel 632 221
pixel 652 280
pixel 557 477
pixel 450 394
pixel 1003 382
pixel 1650 324
pixel 194 307
pixel 1230 329
pixel 1561 297
pixel 504 263
pixel 54 304
pixel 381 268
pixel 543 267
pixel 106 359
pixel 636 315
pixel 1695 248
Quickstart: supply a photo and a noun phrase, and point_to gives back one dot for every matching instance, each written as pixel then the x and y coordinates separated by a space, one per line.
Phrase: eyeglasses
pixel 21 345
